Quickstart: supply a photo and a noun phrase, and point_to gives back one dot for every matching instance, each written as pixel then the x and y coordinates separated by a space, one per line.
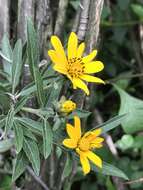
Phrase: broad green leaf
pixel 138 10
pixel 108 169
pixel 5 145
pixel 9 120
pixel 32 125
pixel 20 165
pixel 32 152
pixel 111 123
pixel 33 57
pixel 126 142
pixel 133 108
pixel 16 64
pixel 68 167
pixel 7 52
pixel 18 131
pixel 47 138
pixel 80 113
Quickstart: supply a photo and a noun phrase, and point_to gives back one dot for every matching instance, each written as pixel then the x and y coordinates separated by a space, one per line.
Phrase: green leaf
pixel 47 138
pixel 111 123
pixel 9 120
pixel 20 165
pixel 31 88
pixel 54 93
pixel 5 145
pixel 32 152
pixel 7 52
pixel 126 142
pixel 29 134
pixel 33 57
pixel 16 64
pixel 80 113
pixel 138 10
pixel 110 185
pixel 108 169
pixel 18 136
pixel 34 126
pixel 39 85
pixel 32 46
pixel 5 183
pixel 20 103
pixel 68 167
pixel 2 121
pixel 133 107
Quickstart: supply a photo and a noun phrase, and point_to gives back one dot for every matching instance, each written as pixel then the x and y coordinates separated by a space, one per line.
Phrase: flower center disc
pixel 84 145
pixel 75 67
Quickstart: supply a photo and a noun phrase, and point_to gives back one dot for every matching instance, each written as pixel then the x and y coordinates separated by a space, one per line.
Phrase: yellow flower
pixel 68 106
pixel 83 144
pixel 74 65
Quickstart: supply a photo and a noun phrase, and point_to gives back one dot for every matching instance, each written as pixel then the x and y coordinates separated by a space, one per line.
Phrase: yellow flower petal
pixel 59 49
pixel 92 146
pixel 70 143
pixel 97 132
pixel 77 126
pixel 94 158
pixel 92 135
pixel 53 56
pixel 72 45
pixel 85 163
pixel 60 69
pixel 89 57
pixel 80 49
pixel 80 84
pixel 97 142
pixel 72 132
pixel 89 78
pixel 93 67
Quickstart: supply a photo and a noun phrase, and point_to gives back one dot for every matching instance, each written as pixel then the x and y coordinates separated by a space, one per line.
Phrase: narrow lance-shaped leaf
pixel 39 84
pixel 54 93
pixel 68 167
pixel 16 64
pixel 33 57
pixel 32 152
pixel 34 126
pixel 20 165
pixel 108 169
pixel 9 120
pixel 20 103
pixel 7 52
pixel 111 123
pixel 18 130
pixel 47 138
